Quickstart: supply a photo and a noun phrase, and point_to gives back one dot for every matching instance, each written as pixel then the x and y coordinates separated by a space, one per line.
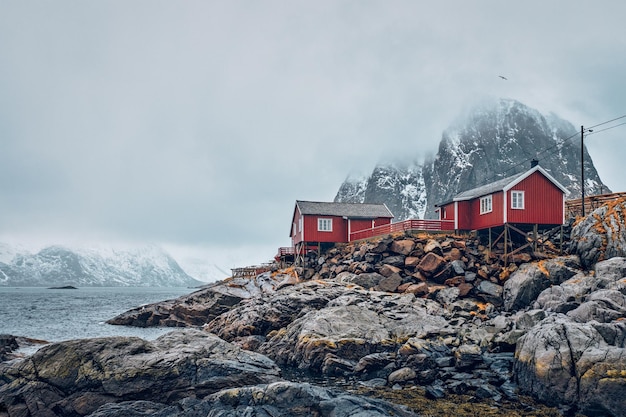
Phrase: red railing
pixel 426 225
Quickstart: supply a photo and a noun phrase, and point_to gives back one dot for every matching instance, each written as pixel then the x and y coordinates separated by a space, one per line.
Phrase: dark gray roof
pixel 505 184
pixel 486 189
pixel 351 210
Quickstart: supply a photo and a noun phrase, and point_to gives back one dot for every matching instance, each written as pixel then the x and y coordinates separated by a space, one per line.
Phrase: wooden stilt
pixel 535 238
pixel 506 243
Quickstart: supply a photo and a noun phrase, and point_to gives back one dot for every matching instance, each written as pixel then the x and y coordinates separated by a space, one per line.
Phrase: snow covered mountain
pixel 496 139
pixel 57 265
pixel 400 187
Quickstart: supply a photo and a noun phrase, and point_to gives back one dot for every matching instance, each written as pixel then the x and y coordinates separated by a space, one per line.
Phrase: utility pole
pixel 582 168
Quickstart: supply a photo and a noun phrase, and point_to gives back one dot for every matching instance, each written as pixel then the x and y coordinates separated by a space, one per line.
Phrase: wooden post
pixel 535 238
pixel 506 243
pixel 489 249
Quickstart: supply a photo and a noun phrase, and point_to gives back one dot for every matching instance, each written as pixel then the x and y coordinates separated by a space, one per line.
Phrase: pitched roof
pixel 505 184
pixel 350 210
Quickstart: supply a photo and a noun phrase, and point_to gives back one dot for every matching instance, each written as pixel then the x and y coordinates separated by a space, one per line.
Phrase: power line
pixel 606 128
pixel 608 121
pixel 558 144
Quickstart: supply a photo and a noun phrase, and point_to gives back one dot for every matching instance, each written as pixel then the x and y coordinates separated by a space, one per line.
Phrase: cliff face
pixel 494 140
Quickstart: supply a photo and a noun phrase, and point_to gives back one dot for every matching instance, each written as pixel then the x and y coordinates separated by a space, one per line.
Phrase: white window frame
pixel 486 204
pixel 517 203
pixel 324 224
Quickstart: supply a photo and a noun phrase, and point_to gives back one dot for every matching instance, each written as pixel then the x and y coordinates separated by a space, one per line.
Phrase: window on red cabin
pixel 485 204
pixel 517 200
pixel 324 225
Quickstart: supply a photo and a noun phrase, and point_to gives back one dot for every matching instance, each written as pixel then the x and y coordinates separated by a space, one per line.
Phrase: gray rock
pixel 289 399
pixel 601 235
pixel 373 322
pixel 466 356
pixel 525 284
pixel 603 306
pixel 490 292
pixel 78 376
pixel 199 307
pixel 448 295
pixel 402 375
pixel 389 284
pixel 547 357
pixel 367 280
pixel 458 266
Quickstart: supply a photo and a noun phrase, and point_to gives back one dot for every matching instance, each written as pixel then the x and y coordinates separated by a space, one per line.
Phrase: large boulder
pixel 353 326
pixel 529 280
pixel 601 235
pixel 74 378
pixel 199 307
pixel 570 364
pixel 273 311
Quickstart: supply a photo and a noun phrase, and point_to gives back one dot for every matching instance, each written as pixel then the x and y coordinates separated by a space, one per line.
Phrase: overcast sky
pixel 197 124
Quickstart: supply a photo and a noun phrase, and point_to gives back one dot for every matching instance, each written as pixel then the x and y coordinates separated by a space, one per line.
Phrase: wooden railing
pixel 426 225
pixel 250 271
pixel 573 208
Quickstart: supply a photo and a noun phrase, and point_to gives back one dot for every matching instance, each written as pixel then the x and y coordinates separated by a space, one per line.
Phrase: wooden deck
pixel 249 271
pixel 573 208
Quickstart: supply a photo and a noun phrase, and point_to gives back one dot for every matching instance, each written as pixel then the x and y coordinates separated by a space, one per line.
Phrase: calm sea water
pixel 56 315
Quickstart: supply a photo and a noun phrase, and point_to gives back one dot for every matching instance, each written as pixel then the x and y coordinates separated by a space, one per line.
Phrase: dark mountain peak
pixel 494 139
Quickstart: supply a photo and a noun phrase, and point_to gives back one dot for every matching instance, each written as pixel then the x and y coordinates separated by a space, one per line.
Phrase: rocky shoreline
pixel 414 319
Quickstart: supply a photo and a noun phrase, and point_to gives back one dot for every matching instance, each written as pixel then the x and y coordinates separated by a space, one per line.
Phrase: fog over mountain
pixel 493 140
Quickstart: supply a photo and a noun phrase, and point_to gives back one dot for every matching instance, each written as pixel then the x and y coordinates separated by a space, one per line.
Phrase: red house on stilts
pixel 530 200
pixel 316 223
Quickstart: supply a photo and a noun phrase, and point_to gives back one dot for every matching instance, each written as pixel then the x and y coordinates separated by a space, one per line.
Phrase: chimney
pixel 534 163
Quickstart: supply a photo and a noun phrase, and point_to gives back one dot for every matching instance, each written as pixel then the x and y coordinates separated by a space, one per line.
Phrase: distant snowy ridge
pixel 495 139
pixel 58 265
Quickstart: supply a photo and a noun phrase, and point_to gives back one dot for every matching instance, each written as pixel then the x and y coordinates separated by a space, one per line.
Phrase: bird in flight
pixel 504 78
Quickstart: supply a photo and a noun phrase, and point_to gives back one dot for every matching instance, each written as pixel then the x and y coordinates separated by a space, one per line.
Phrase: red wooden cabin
pixel 530 198
pixel 314 223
